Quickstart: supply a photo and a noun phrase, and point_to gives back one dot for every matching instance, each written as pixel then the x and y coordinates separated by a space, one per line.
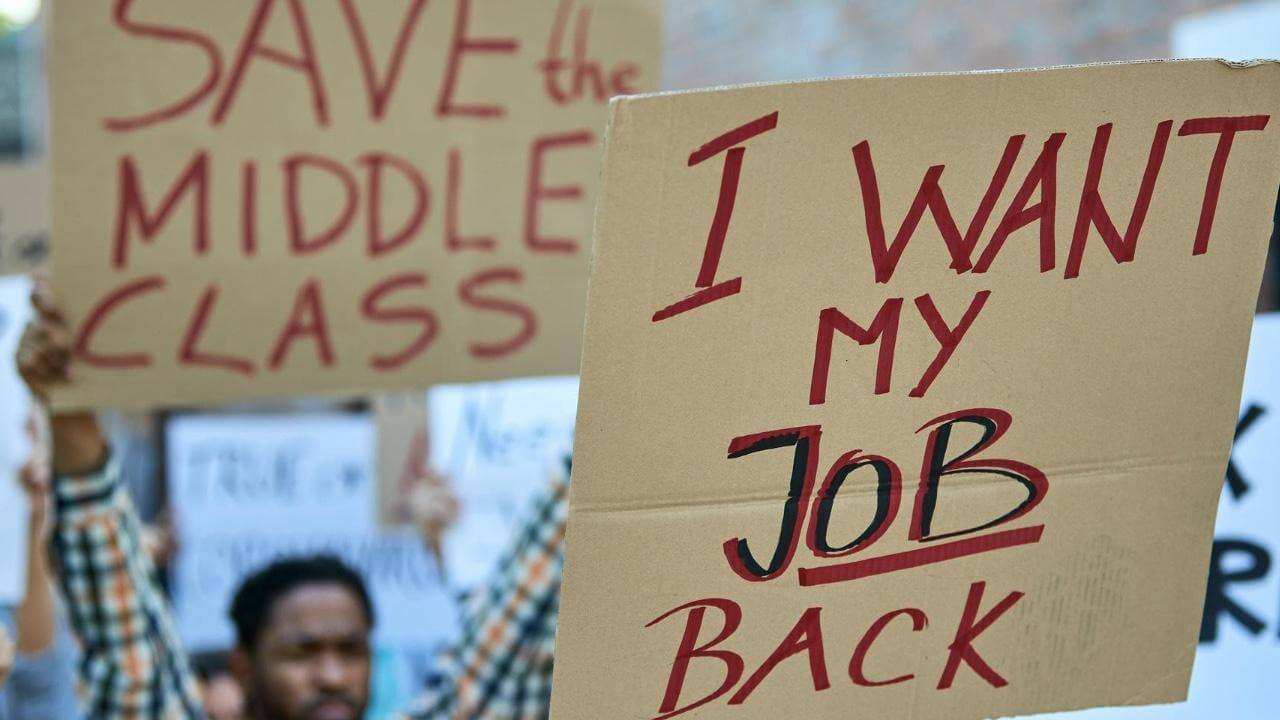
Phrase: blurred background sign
pixel 13 412
pixel 499 444
pixel 1244 31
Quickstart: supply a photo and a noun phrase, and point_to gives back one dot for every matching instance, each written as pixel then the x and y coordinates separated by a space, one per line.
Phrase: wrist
pixel 79 447
pixel 36 519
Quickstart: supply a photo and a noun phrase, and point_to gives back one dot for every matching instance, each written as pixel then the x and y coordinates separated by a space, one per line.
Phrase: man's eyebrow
pixel 303 637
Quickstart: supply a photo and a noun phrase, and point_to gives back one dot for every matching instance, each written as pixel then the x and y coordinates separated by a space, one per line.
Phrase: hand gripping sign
pixel 912 397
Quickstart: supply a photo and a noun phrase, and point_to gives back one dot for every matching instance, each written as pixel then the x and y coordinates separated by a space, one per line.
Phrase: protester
pixel 303 625
pixel 41 663
pixel 131 665
pixel 302 640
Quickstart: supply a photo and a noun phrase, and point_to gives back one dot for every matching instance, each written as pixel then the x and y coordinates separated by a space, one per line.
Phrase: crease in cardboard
pixel 1235 64
pixel 966 482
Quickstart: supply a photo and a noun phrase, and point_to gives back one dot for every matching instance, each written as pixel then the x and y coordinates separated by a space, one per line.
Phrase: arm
pixel 6 656
pixel 42 685
pixel 133 667
pixel 133 664
pixel 36 616
pixel 502 665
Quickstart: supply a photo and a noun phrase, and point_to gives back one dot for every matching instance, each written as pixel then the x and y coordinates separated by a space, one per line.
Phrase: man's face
pixel 313 660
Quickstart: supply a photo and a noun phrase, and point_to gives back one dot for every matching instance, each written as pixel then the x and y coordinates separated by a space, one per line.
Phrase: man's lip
pixel 334 710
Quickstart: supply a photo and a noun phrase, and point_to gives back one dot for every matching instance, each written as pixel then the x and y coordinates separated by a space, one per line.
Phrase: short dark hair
pixel 259 592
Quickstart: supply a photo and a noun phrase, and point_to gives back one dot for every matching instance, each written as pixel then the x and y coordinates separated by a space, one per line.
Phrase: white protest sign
pixel 14 304
pixel 1241 31
pixel 249 489
pixel 1235 668
pixel 499 444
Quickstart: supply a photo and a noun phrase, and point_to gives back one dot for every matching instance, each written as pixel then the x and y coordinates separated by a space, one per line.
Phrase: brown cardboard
pixel 495 108
pixel 1112 395
pixel 24 217
pixel 400 420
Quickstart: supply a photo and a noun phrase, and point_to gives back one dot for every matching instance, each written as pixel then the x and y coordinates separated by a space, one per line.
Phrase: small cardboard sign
pixel 500 445
pixel 912 394
pixel 269 197
pixel 24 217
pixel 495 444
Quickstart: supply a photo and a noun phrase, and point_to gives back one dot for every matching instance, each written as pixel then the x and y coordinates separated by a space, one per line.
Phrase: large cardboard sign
pixel 263 197
pixel 246 490
pixel 912 395
pixel 1234 673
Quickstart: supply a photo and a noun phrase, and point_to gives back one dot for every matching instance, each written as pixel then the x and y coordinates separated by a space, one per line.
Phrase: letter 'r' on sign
pixel 708 289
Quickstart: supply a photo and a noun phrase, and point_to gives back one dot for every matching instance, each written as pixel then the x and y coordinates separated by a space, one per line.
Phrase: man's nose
pixel 331 671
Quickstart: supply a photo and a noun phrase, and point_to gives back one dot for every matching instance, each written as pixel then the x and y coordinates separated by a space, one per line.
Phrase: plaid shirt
pixel 133 667
pixel 501 669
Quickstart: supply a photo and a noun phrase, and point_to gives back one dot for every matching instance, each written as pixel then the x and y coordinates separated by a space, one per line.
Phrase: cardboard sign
pixel 14 403
pixel 912 394
pixel 400 421
pixel 499 444
pixel 264 197
pixel 496 444
pixel 1234 674
pixel 246 490
pixel 24 217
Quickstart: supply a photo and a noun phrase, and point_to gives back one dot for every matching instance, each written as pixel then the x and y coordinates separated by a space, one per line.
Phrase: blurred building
pixel 22 96
pixel 714 42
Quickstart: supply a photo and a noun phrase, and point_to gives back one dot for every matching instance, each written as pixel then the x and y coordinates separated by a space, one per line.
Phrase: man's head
pixel 302 651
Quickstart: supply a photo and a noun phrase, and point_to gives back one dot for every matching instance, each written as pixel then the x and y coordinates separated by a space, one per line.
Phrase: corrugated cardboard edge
pixel 1237 64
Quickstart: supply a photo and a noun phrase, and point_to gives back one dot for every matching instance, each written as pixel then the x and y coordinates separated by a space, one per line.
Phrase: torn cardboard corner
pixel 1248 63
pixel 912 392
